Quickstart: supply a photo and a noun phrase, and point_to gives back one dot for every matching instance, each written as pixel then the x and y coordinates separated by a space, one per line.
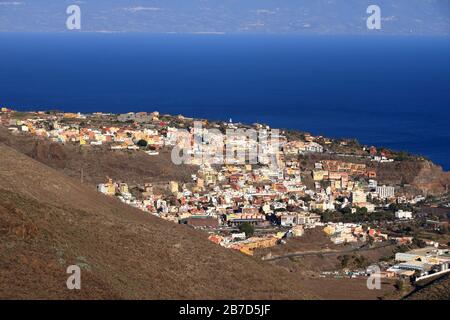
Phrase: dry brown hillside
pixel 438 290
pixel 49 221
pixel 100 162
pixel 423 175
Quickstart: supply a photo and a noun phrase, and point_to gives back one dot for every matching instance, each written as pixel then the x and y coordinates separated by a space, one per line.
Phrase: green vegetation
pixel 399 285
pixel 247 228
pixel 361 215
pixel 387 258
pixel 345 260
pixel 21 115
pixel 306 198
pixel 419 243
pixel 400 206
pixel 355 260
pixel 142 143
pixel 402 155
pixel 370 241
pixel 443 229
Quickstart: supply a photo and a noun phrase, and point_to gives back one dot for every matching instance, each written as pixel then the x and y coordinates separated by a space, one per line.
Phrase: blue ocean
pixel 386 91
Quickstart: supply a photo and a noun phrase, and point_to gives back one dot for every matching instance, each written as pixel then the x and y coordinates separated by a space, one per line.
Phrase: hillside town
pixel 295 183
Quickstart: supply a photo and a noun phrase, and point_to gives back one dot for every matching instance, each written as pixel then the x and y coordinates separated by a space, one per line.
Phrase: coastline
pixel 292 130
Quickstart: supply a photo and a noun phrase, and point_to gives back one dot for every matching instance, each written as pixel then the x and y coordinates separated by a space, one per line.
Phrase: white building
pixel 314 147
pixel 359 196
pixel 102 188
pixel 385 192
pixel 403 214
pixel 372 184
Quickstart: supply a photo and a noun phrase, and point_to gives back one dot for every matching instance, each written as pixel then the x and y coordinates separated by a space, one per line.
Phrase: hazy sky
pixel 229 16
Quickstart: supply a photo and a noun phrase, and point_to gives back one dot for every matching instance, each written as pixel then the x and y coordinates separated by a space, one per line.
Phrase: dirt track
pixel 327 252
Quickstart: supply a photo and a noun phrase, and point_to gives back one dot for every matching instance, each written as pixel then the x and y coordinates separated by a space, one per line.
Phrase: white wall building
pixel 403 214
pixel 385 191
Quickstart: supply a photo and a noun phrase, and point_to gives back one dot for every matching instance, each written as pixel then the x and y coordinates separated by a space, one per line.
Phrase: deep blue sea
pixel 386 91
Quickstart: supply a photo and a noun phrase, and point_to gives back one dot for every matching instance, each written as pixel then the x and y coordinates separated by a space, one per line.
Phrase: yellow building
pixel 173 186
pixel 329 230
pixel 70 115
pixel 358 196
pixel 123 187
pixel 319 175
pixel 335 184
pixel 107 188
pixel 257 243
pixel 200 183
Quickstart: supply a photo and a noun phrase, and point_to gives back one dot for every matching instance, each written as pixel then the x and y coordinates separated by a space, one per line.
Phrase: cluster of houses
pixel 231 194
pixel 66 128
pixel 341 233
pixel 222 208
